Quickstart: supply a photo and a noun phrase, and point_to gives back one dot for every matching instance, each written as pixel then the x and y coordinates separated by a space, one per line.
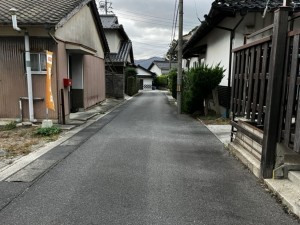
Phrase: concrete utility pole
pixel 179 74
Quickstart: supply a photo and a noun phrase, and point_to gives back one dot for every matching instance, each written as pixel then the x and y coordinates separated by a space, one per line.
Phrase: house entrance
pixel 141 84
pixel 76 74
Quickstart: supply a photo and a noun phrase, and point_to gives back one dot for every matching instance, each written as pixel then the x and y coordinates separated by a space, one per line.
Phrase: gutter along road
pixel 141 164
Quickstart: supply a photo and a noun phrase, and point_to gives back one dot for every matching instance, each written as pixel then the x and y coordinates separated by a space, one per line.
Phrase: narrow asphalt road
pixel 144 165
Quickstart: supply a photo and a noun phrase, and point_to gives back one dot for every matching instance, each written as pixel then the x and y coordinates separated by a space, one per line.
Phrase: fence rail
pixel 250 78
pixel 254 68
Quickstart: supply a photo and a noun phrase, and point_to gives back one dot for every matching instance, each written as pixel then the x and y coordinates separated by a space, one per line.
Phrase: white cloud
pixel 149 23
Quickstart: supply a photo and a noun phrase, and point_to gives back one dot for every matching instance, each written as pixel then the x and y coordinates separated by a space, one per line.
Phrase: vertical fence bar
pixel 271 128
pixel 256 82
pixel 237 82
pixel 250 82
pixel 297 132
pixel 245 77
pixel 263 83
pixel 233 86
pixel 291 91
pixel 241 82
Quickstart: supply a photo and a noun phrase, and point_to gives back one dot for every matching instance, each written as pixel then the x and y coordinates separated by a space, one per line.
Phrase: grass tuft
pixel 10 126
pixel 47 131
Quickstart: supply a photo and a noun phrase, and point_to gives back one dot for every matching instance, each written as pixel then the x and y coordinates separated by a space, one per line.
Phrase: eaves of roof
pixel 121 31
pixel 36 12
pixel 148 71
pixel 49 13
pixel 124 51
pixel 221 9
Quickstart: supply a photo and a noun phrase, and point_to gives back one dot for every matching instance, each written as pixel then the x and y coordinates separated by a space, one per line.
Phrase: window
pixel 38 63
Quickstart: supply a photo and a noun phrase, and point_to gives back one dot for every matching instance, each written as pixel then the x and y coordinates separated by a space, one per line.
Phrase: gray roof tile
pixel 37 11
pixel 109 21
pixel 124 51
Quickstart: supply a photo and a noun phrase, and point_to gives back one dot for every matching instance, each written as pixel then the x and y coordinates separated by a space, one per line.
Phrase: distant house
pixel 121 55
pixel 72 30
pixel 226 27
pixel 146 78
pixel 147 62
pixel 162 67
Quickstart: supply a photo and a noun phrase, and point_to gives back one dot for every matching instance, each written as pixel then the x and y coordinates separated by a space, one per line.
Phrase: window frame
pixel 40 66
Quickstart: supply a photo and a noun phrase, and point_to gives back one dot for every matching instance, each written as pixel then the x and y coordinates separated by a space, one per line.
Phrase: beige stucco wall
pixel 81 29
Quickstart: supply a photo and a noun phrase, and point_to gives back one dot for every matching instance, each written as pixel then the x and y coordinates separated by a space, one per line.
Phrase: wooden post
pixel 63 106
pixel 274 93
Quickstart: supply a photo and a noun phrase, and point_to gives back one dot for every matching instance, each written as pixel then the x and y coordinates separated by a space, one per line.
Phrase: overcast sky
pixel 149 23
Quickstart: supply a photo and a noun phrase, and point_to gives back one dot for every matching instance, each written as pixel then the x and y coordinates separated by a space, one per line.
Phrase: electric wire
pixel 174 21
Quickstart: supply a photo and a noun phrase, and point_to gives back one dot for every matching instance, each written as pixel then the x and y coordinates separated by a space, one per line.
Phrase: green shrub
pixel 47 131
pixel 130 72
pixel 173 82
pixel 161 81
pixel 198 85
pixel 131 86
pixel 10 126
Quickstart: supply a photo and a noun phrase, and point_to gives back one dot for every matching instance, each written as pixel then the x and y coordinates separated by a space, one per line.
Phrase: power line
pixel 156 45
pixel 151 18
pixel 174 21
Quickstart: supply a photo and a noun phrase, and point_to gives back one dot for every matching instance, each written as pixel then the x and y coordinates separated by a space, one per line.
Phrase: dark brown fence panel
pixel 251 64
pixel 290 107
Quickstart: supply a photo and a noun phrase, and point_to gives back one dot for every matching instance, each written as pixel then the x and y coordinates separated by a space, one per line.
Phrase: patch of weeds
pixel 47 131
pixel 10 126
pixel 214 120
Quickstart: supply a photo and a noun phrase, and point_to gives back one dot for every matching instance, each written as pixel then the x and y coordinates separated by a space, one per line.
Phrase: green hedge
pixel 198 84
pixel 132 86
pixel 173 82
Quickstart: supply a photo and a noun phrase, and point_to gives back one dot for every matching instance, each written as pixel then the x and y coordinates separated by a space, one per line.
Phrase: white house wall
pixel 147 83
pixel 142 72
pixel 218 40
pixel 113 39
pixel 155 69
pixel 218 49
pixel 81 29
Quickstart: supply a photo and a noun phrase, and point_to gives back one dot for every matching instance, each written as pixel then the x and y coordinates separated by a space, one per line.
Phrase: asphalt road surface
pixel 142 164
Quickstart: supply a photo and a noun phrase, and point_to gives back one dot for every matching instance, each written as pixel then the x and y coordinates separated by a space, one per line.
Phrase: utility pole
pixel 105 7
pixel 179 74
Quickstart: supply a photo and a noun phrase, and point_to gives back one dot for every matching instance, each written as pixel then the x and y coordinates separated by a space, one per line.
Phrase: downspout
pixel 29 78
pixel 232 35
pixel 27 63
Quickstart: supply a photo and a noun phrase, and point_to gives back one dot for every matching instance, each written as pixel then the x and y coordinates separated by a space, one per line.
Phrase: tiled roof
pixel 38 12
pixel 246 4
pixel 124 51
pixel 109 21
pixel 223 8
pixel 164 65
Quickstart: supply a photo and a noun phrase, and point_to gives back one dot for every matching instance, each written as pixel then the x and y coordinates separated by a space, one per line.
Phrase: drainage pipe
pixel 13 12
pixel 29 78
